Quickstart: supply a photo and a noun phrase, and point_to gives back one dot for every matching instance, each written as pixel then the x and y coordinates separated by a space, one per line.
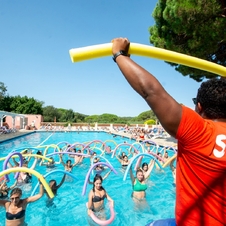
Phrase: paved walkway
pixel 9 136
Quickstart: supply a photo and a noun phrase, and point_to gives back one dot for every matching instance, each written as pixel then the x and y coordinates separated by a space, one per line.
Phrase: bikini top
pixel 98 198
pixel 19 215
pixel 139 186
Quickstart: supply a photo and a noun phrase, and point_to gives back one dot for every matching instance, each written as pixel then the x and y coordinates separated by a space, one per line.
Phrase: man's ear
pixel 199 108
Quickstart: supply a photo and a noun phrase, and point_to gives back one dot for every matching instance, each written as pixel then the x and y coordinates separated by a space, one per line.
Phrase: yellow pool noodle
pixel 103 50
pixel 33 172
pixel 169 161
pixel 33 155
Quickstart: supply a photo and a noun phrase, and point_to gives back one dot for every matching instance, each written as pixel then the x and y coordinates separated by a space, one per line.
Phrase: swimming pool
pixel 69 206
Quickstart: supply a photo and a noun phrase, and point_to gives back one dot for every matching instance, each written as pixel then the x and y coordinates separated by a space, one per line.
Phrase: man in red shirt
pixel 201 135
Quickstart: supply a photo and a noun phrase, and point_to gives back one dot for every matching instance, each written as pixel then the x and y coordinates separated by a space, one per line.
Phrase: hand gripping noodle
pixel 103 50
pixel 33 172
pixel 137 156
pixel 89 172
pixel 103 222
pixel 53 172
pixel 7 160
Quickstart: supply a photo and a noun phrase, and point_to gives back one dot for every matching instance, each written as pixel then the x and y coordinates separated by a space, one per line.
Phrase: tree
pixel 3 90
pixel 146 115
pixel 79 117
pixel 194 28
pixel 66 115
pixel 91 118
pixel 107 118
pixel 26 105
pixel 49 114
pixel 5 103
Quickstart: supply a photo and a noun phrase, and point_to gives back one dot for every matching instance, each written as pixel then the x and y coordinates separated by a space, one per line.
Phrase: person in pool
pixel 147 168
pixel 97 196
pixel 78 158
pixel 68 166
pixel 124 161
pixel 16 207
pixel 49 164
pixel 138 184
pixel 54 187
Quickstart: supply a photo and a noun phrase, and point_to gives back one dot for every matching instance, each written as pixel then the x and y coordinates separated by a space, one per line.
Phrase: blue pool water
pixel 69 206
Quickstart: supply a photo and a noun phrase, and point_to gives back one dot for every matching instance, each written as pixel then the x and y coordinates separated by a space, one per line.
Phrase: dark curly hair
pixel 212 97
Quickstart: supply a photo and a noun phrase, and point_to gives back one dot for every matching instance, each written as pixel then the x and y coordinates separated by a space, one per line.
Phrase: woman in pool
pixel 160 161
pixel 147 168
pixel 124 161
pixel 49 164
pixel 97 196
pixel 68 166
pixel 139 185
pixel 54 187
pixel 78 158
pixel 16 207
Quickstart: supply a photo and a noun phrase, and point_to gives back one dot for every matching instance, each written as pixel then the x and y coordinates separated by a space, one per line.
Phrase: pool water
pixel 69 206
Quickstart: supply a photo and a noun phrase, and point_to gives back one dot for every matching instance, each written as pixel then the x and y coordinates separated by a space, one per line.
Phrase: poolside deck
pixel 9 136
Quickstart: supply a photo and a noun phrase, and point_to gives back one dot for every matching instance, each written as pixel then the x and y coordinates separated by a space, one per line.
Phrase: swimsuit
pixel 19 215
pixel 139 186
pixel 98 198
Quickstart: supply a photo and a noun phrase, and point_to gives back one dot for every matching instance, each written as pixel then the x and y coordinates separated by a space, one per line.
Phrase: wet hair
pixel 16 191
pixel 52 181
pixel 212 97
pixel 139 171
pixel 68 161
pixel 39 153
pixel 97 177
pixel 144 164
pixel 125 156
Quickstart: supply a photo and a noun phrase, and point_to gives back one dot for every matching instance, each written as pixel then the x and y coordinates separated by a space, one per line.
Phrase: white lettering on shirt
pixel 220 143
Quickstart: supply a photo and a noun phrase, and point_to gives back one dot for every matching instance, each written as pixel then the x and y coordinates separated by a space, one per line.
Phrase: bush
pixel 150 122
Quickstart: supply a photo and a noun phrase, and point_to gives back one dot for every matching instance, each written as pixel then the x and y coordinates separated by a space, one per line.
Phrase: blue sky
pixel 35 40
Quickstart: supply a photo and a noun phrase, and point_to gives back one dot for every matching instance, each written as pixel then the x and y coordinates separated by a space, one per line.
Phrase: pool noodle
pixel 138 163
pixel 32 155
pixel 126 144
pixel 102 158
pixel 90 170
pixel 140 145
pixel 171 148
pixel 69 153
pixel 169 161
pixel 103 222
pixel 7 160
pixel 51 172
pixel 33 172
pixel 103 50
pixel 141 154
pixel 98 141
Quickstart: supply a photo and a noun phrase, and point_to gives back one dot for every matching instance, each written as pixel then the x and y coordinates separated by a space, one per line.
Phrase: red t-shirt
pixel 201 171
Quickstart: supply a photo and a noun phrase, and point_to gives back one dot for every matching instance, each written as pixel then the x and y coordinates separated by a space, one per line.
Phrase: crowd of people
pixel 16 206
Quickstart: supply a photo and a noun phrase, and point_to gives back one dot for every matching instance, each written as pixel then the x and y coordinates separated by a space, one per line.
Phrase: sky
pixel 35 39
